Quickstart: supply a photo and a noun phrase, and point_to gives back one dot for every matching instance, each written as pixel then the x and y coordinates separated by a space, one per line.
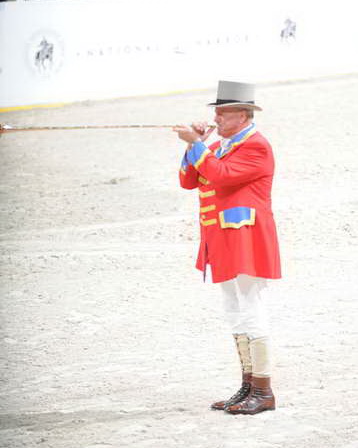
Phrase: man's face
pixel 229 120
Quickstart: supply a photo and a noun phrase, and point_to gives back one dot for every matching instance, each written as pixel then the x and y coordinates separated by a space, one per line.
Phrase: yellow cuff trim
pixel 202 158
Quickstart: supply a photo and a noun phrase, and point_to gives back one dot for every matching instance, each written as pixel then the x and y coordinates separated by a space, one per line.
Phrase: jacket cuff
pixel 197 154
pixel 184 164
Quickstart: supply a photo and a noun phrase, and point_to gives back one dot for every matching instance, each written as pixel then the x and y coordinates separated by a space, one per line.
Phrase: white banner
pixel 63 51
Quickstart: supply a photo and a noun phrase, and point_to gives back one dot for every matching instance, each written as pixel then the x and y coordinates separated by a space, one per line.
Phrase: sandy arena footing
pixel 108 336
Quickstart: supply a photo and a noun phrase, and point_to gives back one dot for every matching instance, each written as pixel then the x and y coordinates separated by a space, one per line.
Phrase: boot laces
pixel 240 394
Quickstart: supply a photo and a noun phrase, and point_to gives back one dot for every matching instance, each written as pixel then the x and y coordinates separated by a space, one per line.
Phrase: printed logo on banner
pixel 289 31
pixel 45 53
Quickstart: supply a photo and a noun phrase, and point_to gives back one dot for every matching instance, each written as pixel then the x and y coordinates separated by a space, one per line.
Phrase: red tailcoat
pixel 238 233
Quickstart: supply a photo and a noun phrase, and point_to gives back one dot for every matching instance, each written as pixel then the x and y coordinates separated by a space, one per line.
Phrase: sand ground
pixel 108 336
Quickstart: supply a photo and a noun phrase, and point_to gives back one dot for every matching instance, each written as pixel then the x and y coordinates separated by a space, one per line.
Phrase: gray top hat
pixel 236 94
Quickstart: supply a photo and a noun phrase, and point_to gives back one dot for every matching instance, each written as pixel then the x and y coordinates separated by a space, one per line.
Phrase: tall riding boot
pixel 260 397
pixel 242 345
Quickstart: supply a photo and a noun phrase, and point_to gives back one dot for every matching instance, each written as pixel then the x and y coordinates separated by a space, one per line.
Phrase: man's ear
pixel 243 116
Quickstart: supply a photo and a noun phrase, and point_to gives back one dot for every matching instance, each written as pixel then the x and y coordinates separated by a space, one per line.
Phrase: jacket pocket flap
pixel 237 217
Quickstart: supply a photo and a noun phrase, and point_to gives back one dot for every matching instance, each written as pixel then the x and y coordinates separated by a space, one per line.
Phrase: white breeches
pixel 244 307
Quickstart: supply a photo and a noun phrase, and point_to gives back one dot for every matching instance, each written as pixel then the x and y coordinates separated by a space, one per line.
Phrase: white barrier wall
pixel 60 50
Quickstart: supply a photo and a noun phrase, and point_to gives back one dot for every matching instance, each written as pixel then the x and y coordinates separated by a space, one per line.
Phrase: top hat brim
pixel 235 103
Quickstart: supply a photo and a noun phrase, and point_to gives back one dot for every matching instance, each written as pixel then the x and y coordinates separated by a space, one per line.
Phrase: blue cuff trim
pixel 184 163
pixel 197 154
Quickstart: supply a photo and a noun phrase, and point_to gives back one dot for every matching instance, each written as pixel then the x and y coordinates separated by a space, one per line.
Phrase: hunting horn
pixel 8 128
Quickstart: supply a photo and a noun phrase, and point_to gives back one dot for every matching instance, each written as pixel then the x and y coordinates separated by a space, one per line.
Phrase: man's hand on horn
pixel 197 131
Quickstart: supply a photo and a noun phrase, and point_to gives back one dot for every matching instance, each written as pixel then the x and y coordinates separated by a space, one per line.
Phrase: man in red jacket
pixel 238 233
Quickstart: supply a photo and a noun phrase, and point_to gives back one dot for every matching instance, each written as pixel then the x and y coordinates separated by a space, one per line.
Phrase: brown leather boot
pixel 240 395
pixel 259 399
